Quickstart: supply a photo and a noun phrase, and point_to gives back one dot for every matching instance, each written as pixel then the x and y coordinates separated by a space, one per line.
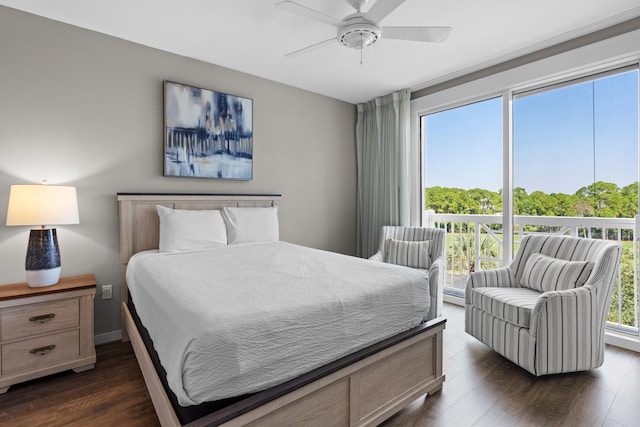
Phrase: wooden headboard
pixel 140 226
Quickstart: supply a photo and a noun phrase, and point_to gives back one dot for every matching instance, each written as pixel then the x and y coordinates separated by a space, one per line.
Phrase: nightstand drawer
pixel 41 352
pixel 34 319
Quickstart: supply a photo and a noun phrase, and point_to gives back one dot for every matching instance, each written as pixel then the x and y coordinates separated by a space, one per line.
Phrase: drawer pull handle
pixel 43 318
pixel 43 350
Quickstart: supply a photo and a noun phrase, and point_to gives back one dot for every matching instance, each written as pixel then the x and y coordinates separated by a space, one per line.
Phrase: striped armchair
pixel 546 311
pixel 431 261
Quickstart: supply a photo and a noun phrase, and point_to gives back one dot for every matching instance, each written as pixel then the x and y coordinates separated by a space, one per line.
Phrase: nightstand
pixel 46 330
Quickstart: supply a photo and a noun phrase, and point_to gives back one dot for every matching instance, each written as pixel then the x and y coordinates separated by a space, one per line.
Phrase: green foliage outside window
pixel 602 200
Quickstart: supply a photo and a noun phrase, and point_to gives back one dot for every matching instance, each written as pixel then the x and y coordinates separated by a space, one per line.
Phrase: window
pixel 463 176
pixel 576 148
pixel 574 160
pixel 575 167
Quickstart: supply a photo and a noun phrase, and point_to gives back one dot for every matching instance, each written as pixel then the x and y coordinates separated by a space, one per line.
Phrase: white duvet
pixel 240 319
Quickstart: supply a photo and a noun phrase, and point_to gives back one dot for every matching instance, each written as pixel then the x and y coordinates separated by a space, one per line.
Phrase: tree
pixel 605 197
pixel 583 208
pixel 630 200
pixel 600 199
pixel 461 201
pixel 521 204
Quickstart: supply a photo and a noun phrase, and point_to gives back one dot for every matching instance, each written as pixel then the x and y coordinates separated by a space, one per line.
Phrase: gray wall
pixel 84 109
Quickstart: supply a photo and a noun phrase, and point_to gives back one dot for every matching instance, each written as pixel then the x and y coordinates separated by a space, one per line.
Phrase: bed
pixel 344 391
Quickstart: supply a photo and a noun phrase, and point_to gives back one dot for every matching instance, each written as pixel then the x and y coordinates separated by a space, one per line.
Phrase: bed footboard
pixel 362 393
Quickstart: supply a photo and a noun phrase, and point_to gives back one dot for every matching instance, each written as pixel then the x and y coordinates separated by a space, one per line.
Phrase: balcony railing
pixel 475 242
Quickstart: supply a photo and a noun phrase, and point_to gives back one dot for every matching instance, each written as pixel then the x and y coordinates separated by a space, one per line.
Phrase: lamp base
pixel 43 258
pixel 40 278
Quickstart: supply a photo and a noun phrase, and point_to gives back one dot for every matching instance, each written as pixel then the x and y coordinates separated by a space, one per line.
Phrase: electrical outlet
pixel 106 292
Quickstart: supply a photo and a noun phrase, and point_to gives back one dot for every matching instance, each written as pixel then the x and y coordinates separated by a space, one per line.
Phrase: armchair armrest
pixel 436 287
pixel 436 271
pixel 568 330
pixel 502 277
pixel 377 257
pixel 562 306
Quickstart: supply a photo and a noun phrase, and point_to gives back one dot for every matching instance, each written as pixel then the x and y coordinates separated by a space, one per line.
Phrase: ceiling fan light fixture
pixel 359 36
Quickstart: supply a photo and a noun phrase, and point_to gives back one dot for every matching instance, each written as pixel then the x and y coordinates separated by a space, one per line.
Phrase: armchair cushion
pixel 410 254
pixel 544 273
pixel 512 305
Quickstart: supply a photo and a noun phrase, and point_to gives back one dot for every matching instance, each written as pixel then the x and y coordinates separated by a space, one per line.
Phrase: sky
pixel 558 147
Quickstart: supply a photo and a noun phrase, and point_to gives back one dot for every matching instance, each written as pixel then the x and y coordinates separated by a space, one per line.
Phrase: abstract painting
pixel 207 134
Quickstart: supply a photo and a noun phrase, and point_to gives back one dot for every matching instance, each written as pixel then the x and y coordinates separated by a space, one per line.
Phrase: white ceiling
pixel 253 35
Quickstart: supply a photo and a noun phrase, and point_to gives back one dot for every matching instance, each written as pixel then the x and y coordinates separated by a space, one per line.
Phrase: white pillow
pixel 250 225
pixel 185 230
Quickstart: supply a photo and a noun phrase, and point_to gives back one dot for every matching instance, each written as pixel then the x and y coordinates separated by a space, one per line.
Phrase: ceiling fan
pixel 360 30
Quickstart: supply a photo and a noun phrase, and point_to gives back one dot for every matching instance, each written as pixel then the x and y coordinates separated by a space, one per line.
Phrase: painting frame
pixel 207 134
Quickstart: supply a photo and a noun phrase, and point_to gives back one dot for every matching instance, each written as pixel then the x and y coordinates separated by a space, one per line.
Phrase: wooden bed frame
pixel 362 391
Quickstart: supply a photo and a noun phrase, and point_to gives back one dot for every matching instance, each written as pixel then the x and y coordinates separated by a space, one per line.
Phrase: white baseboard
pixel 453 299
pixel 622 340
pixel 108 337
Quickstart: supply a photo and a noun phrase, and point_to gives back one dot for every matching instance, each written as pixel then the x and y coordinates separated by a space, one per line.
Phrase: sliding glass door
pixel 462 185
pixel 567 156
pixel 575 167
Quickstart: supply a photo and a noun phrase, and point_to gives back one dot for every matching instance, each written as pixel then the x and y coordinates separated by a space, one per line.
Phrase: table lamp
pixel 42 205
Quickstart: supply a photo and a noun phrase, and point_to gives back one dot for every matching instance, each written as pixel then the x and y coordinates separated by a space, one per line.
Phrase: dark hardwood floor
pixel 481 389
pixel 484 389
pixel 112 394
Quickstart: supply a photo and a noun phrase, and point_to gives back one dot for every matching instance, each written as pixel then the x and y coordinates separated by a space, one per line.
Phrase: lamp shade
pixel 42 205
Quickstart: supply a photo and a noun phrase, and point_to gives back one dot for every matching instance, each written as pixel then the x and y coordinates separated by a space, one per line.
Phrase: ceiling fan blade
pixel 381 9
pixel 310 48
pixel 299 9
pixel 420 34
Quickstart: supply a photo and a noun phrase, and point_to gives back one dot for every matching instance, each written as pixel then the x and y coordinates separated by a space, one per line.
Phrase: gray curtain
pixel 382 144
